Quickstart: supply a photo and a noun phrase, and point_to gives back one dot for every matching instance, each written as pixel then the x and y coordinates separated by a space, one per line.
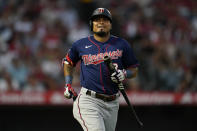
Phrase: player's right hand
pixel 69 92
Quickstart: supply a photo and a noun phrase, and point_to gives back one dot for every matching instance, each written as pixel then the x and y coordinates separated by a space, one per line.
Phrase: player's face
pixel 101 25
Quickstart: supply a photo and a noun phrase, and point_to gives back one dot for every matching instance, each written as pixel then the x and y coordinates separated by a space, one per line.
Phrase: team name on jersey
pixel 98 58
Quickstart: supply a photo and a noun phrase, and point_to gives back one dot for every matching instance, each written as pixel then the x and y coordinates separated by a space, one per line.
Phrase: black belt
pixel 103 97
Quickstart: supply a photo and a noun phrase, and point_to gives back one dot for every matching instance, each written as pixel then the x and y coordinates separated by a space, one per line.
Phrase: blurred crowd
pixel 36 34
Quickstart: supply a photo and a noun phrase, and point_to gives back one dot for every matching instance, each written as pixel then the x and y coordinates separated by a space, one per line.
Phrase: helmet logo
pixel 101 10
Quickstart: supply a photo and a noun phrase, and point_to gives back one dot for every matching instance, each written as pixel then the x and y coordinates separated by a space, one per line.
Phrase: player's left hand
pixel 118 76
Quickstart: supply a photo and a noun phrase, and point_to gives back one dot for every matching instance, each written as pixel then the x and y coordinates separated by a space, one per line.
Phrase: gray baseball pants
pixel 94 114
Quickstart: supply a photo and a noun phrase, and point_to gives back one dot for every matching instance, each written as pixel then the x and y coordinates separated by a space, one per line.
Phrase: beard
pixel 101 33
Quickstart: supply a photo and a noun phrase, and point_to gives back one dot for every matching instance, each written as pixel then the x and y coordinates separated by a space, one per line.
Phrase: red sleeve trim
pixel 69 60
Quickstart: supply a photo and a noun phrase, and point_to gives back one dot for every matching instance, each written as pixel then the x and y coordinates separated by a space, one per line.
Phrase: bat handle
pixel 121 86
pixel 75 97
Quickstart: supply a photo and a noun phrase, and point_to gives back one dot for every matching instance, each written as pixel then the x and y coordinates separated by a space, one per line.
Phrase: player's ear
pixel 111 26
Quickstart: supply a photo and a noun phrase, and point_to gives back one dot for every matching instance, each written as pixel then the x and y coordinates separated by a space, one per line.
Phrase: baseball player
pixel 96 106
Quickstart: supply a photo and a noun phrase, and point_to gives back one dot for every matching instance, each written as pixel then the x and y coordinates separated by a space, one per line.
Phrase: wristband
pixel 68 79
pixel 128 73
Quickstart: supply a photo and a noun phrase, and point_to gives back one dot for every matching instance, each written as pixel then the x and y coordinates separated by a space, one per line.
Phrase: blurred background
pixel 36 34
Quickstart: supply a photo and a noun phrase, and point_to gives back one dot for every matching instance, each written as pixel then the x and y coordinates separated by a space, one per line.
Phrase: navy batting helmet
pixel 100 12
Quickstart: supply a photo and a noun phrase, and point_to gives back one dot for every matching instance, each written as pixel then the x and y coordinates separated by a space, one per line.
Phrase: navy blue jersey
pixel 94 73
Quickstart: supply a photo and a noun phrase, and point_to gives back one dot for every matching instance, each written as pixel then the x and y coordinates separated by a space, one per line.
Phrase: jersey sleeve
pixel 129 59
pixel 73 55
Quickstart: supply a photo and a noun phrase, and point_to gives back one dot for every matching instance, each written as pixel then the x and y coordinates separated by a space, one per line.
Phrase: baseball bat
pixel 74 98
pixel 111 67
